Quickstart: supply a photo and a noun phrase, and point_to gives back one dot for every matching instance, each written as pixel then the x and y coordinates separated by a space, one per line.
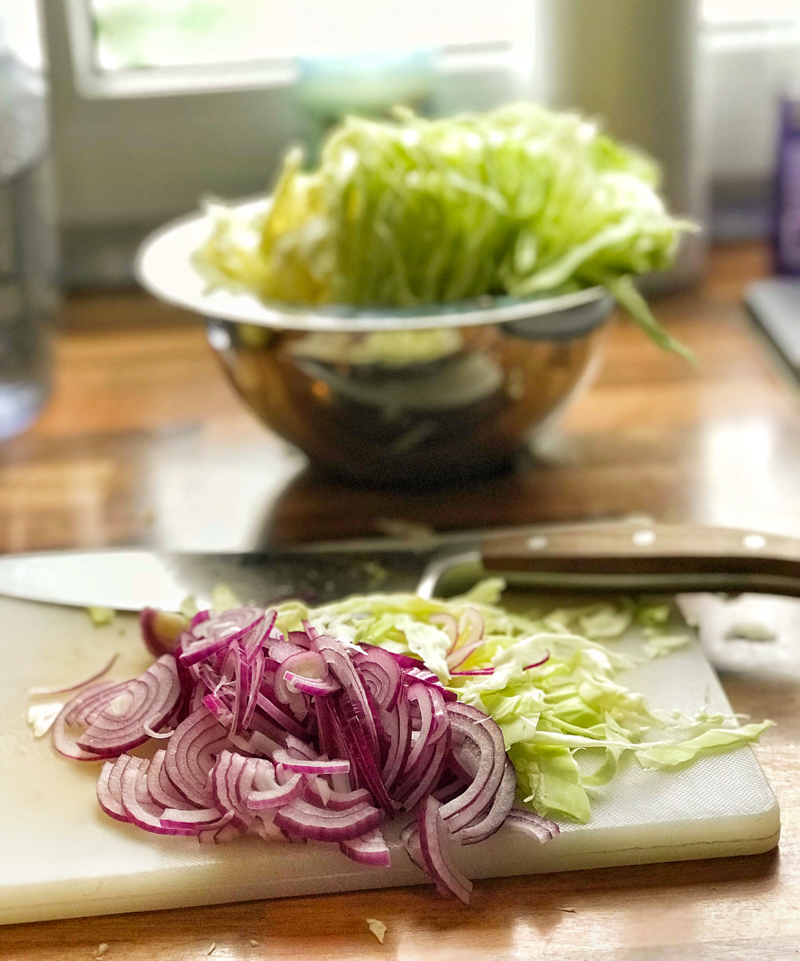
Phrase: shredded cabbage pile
pixel 567 723
pixel 411 211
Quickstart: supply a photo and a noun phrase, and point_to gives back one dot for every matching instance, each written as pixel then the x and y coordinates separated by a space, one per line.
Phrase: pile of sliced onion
pixel 298 737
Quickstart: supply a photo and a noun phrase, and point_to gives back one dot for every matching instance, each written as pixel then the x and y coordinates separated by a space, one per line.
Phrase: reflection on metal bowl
pixel 414 407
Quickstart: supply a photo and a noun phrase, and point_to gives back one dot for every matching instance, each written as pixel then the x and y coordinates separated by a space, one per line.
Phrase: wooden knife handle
pixel 652 556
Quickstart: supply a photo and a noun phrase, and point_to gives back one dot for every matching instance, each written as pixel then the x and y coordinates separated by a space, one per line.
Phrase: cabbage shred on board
pixel 408 212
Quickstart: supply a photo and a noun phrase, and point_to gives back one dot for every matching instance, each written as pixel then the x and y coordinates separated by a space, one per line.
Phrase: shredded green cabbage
pixel 412 211
pixel 567 723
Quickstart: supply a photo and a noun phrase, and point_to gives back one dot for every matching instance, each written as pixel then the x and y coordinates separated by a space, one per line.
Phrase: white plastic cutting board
pixel 60 856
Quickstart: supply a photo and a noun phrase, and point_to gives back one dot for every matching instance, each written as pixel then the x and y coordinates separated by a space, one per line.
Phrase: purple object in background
pixel 786 226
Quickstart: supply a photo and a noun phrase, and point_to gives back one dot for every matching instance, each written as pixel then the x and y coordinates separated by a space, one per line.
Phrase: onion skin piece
pixel 161 630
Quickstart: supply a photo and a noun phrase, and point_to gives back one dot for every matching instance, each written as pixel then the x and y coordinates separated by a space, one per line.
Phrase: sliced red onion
pixel 267 703
pixel 320 765
pixel 161 630
pixel 190 755
pixel 195 821
pixel 306 672
pixel 543 829
pixel 398 725
pixel 77 713
pixel 109 788
pixel 448 624
pixel 139 806
pixel 485 825
pixel 161 789
pixel 217 707
pixel 299 638
pixel 301 716
pixel 319 793
pixel 488 738
pixel 253 641
pixel 276 796
pixel 218 633
pixel 436 841
pixel 300 749
pixel 430 776
pixel 461 654
pixel 257 668
pixel 347 712
pixel 538 663
pixel 476 672
pixel 382 676
pixel 325 824
pixel 369 849
pixel 37 691
pixel 343 669
pixel 149 699
pixel 470 626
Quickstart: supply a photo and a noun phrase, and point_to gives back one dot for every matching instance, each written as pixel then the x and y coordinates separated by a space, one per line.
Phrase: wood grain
pixel 144 442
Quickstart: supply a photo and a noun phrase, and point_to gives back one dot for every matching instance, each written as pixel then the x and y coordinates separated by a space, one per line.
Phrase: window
pixel 141 46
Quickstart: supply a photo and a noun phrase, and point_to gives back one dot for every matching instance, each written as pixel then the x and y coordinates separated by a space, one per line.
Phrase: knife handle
pixel 651 557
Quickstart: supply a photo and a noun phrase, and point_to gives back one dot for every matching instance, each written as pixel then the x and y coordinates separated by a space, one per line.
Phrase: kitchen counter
pixel 144 442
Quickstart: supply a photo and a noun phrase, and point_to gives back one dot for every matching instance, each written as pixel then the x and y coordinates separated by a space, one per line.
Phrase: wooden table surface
pixel 144 442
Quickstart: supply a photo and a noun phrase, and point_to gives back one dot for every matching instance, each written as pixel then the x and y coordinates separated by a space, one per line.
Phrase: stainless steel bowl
pixel 413 398
pixel 406 397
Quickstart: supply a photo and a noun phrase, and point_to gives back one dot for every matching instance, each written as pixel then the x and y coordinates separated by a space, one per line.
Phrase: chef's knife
pixel 629 557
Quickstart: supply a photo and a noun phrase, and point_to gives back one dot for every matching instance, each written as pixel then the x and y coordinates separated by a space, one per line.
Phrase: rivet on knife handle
pixel 652 557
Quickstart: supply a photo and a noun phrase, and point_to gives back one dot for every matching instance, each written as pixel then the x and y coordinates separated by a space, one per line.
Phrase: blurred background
pixel 130 112
pixel 156 103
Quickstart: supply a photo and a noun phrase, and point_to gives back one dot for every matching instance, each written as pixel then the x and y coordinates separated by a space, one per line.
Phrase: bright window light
pixel 181 33
pixel 750 11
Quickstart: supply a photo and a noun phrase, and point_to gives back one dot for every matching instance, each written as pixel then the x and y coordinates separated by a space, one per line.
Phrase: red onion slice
pixel 37 691
pixel 76 713
pixel 369 849
pixel 324 824
pixel 109 788
pixel 161 789
pixel 382 676
pixel 461 654
pixel 278 796
pixel 218 633
pixel 343 669
pixel 543 829
pixel 190 755
pixel 307 672
pixel 139 806
pixel 448 624
pixel 195 821
pixel 538 663
pixel 488 738
pixel 152 698
pixel 435 844
pixel 489 823
pixel 429 777
pixel 319 765
pixel 319 793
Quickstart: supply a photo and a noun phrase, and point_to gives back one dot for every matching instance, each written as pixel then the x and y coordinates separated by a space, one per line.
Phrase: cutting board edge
pixel 127 902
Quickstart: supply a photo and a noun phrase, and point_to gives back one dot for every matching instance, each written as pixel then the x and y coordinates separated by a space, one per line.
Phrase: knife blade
pixel 633 556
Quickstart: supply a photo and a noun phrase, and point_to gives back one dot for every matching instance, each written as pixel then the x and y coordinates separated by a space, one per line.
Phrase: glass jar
pixel 28 258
